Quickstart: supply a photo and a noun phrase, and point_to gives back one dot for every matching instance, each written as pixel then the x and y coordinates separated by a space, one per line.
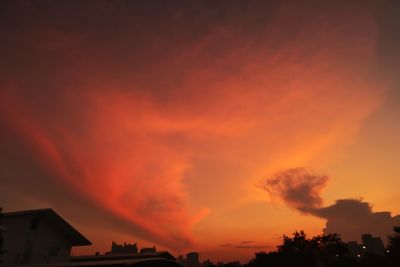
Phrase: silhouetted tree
pixel 297 250
pixel 394 246
pixel 322 250
pixel 297 243
pixel 1 235
pixel 233 264
pixel 208 263
pixel 329 248
pixel 1 231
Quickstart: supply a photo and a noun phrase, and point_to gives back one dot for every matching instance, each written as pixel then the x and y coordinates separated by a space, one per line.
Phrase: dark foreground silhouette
pixel 325 251
pixel 296 250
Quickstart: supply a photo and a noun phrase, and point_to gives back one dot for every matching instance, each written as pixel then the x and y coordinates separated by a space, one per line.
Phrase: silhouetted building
pixel 373 244
pixel 148 250
pixel 158 258
pixel 181 260
pixel 128 262
pixel 192 259
pixel 38 237
pixel 369 244
pixel 122 249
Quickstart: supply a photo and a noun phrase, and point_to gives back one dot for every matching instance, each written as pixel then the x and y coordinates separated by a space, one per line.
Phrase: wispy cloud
pixel 247 242
pixel 246 245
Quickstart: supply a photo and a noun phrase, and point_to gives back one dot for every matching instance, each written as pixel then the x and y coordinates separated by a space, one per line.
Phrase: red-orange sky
pixel 213 126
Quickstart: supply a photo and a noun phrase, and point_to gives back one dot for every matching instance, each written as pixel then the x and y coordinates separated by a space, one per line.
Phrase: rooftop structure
pixel 37 237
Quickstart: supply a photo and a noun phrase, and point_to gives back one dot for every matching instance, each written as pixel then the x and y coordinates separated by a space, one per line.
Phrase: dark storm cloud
pixel 300 189
pixel 352 218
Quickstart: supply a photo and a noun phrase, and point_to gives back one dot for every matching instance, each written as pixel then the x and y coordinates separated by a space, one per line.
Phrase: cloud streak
pixel 246 245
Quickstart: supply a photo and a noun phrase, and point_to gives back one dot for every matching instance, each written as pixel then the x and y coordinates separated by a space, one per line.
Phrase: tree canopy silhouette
pixel 326 250
pixel 394 246
pixel 1 231
pixel 298 250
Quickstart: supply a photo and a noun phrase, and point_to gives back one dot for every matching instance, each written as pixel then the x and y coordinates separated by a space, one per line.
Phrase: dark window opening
pixel 34 224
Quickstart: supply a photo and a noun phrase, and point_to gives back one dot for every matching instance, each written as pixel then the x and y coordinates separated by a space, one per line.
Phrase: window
pixel 34 224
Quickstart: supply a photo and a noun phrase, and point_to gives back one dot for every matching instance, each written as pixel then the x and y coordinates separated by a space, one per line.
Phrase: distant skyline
pixel 213 126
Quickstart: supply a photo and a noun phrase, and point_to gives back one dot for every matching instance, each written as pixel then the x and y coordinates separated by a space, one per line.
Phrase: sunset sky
pixel 210 126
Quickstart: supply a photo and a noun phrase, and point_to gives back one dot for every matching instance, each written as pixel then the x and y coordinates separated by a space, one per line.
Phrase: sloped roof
pixel 76 238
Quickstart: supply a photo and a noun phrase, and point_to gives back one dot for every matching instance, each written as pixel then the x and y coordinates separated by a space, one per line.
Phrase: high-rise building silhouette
pixel 192 259
pixel 373 244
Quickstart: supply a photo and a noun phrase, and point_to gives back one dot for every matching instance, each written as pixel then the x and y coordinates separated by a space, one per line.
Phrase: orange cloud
pixel 164 126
